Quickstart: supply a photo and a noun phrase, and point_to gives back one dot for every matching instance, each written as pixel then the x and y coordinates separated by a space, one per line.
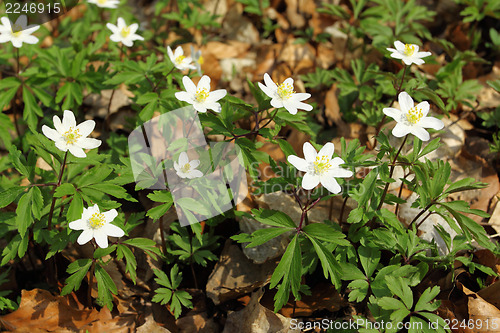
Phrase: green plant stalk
pixel 399 194
pixel 386 188
pixel 53 204
pixel 91 278
pixel 379 127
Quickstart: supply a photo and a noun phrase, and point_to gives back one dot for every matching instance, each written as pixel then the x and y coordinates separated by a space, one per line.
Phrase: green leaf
pixel 131 262
pixel 24 218
pixel 157 212
pixel 37 202
pixel 351 272
pixel 289 269
pixel 325 233
pixel 31 109
pixel 389 303
pixel 105 287
pixel 10 195
pixel 262 236
pixel 161 196
pixel 75 208
pixel 19 161
pixel 113 190
pixel 274 218
pixel 401 289
pixel 145 244
pixel 64 189
pixel 424 302
pixel 78 269
pixel 330 265
pixel 369 257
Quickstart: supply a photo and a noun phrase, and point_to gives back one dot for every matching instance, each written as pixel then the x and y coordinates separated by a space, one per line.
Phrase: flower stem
pixel 53 204
pixel 91 279
pixel 421 213
pixel 399 194
pixel 379 127
pixel 393 164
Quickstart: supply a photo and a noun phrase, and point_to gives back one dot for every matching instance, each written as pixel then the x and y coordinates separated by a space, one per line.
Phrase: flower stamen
pixel 179 59
pixel 16 30
pixel 201 95
pixel 285 91
pixel 409 49
pixel 201 60
pixel 71 136
pixel 321 164
pixel 96 221
pixel 414 115
pixel 186 167
pixel 125 32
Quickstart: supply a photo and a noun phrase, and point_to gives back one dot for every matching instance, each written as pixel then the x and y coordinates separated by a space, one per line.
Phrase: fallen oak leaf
pixel 40 311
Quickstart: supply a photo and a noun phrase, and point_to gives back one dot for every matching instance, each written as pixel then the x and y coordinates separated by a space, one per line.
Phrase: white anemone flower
pixel 124 33
pixel 17 33
pixel 200 96
pixel 412 119
pixel 320 167
pixel 197 59
pixel 283 95
pixel 187 169
pixel 408 53
pixel 96 225
pixel 105 3
pixel 68 136
pixel 179 60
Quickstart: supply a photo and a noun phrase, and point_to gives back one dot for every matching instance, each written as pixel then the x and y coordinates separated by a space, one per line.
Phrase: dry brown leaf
pixel 255 318
pixel 235 275
pixel 332 108
pixel 323 296
pixel 300 57
pixel 481 310
pixel 42 311
pixel 491 294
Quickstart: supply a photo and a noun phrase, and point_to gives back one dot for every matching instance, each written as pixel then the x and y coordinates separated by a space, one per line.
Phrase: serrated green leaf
pixel 273 218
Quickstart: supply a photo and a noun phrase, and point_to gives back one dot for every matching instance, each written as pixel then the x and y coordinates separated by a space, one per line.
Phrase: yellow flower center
pixel 179 59
pixel 285 91
pixel 414 115
pixel 201 60
pixel 71 136
pixel 321 164
pixel 409 49
pixel 16 30
pixel 186 167
pixel 102 2
pixel 96 221
pixel 201 95
pixel 125 32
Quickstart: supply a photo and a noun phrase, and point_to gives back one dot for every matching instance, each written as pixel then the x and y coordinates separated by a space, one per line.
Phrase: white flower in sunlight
pixel 17 33
pixel 320 167
pixel 105 3
pixel 197 58
pixel 123 33
pixel 283 95
pixel 408 53
pixel 96 225
pixel 412 119
pixel 199 95
pixel 68 136
pixel 180 61
pixel 187 169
